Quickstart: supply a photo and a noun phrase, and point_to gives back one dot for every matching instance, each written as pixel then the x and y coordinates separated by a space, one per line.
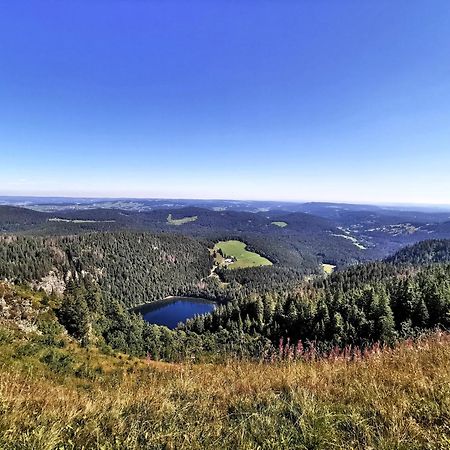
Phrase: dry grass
pixel 397 399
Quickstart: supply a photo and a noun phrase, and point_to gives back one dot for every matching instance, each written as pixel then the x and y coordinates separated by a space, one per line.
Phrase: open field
pixel 183 220
pixel 328 268
pixel 279 224
pixel 391 399
pixel 58 219
pixel 351 239
pixel 242 257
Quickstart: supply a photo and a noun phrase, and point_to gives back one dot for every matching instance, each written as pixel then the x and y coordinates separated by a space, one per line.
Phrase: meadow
pixel 279 224
pixel 328 268
pixel 181 221
pixel 77 398
pixel 242 257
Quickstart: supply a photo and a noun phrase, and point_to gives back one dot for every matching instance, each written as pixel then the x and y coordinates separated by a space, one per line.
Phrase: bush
pixel 6 336
pixel 27 349
pixel 88 372
pixel 105 348
pixel 51 334
pixel 58 362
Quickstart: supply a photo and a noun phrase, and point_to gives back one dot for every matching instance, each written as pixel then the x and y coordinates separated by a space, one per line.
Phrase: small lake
pixel 173 310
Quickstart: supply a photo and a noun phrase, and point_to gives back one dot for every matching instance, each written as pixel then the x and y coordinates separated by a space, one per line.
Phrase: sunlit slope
pixel 241 257
pixel 69 398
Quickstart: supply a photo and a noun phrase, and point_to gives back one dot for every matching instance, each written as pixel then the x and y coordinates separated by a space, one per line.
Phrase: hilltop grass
pixel 395 399
pixel 279 224
pixel 183 220
pixel 243 258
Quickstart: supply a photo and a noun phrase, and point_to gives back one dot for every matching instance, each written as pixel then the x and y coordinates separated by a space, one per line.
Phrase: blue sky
pixel 290 100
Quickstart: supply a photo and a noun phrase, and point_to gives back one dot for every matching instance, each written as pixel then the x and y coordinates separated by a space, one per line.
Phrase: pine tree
pixel 74 315
pixel 421 316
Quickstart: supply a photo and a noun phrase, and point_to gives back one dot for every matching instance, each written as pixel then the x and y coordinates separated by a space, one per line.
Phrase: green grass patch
pixel 242 258
pixel 183 220
pixel 279 224
pixel 328 268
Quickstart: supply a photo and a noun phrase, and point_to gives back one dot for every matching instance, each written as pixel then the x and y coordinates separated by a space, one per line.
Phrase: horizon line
pixel 369 203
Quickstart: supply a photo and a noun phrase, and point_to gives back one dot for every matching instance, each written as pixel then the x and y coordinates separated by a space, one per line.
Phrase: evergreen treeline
pixel 425 252
pixel 135 268
pixel 335 312
pixel 366 304
pixel 92 317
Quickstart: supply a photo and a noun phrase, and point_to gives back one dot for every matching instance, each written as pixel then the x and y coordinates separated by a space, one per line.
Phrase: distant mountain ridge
pixel 334 234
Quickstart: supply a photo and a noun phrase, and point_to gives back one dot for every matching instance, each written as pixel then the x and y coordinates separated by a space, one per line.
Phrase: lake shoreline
pixel 184 297
pixel 172 310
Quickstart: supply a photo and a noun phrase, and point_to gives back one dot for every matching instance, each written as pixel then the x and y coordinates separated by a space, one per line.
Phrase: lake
pixel 171 311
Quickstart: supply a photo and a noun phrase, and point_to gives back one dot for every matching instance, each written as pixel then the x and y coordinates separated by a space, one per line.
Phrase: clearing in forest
pixel 328 268
pixel 279 224
pixel 183 220
pixel 235 256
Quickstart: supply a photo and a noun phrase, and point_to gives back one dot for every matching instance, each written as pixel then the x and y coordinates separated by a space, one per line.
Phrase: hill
pixel 425 252
pixel 13 218
pixel 326 361
pixel 97 277
pixel 301 246
pixel 133 267
pixel 55 394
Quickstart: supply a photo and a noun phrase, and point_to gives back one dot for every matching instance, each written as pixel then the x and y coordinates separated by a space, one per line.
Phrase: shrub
pixel 58 362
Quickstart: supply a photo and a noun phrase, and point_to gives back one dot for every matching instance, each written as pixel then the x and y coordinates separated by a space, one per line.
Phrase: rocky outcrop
pixel 52 283
pixel 17 311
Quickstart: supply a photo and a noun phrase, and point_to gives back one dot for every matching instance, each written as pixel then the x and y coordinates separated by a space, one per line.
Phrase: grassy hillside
pixel 57 394
pixel 241 256
pixel 65 397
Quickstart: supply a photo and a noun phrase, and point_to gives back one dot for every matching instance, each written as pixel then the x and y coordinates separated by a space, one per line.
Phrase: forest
pixel 105 274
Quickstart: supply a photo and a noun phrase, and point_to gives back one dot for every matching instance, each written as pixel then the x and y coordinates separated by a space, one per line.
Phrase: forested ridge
pixel 301 246
pixel 425 252
pixel 334 234
pixel 133 267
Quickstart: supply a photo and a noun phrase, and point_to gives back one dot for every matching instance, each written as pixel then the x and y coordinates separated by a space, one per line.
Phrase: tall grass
pixel 390 399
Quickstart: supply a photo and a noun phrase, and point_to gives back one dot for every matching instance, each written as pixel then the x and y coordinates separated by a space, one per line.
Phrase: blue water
pixel 172 311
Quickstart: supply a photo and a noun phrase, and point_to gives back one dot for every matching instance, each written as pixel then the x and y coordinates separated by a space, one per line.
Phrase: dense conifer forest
pixel 425 252
pixel 133 267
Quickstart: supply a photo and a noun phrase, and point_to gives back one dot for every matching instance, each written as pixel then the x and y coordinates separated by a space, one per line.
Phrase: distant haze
pixel 302 101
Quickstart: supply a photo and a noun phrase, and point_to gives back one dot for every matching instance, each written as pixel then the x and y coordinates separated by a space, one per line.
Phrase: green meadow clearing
pixel 183 220
pixel 243 258
pixel 328 268
pixel 279 224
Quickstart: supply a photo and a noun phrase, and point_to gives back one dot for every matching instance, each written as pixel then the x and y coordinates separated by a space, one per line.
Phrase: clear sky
pixel 290 100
